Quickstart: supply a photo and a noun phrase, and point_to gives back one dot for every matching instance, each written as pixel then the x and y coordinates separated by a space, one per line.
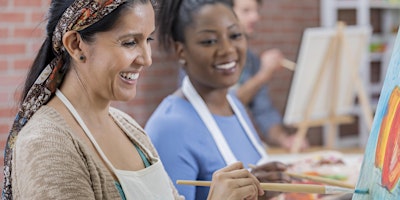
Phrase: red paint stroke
pixel 387 155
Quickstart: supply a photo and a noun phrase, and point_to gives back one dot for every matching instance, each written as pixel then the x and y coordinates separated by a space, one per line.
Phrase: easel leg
pixel 300 135
pixel 364 101
pixel 332 135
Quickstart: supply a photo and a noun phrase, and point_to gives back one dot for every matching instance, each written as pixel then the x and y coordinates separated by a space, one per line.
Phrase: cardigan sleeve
pixel 48 165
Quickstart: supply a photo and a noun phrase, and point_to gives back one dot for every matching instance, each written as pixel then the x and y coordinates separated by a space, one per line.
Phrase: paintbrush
pixel 288 64
pixel 288 187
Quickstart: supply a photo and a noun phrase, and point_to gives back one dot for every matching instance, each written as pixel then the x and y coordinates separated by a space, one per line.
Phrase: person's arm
pixel 265 117
pixel 249 89
pixel 48 166
pixel 278 135
pixel 270 61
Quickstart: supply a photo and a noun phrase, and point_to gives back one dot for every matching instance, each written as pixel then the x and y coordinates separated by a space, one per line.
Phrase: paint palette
pixel 327 164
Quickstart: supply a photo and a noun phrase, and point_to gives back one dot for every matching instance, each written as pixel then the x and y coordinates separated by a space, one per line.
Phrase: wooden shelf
pixel 384 5
pixel 347 4
pixel 354 4
pixel 375 56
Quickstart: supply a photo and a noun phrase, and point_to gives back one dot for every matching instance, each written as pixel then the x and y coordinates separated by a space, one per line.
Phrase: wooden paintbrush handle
pixel 283 187
pixel 288 64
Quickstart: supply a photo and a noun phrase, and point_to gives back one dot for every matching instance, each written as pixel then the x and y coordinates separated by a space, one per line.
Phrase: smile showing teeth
pixel 129 76
pixel 226 66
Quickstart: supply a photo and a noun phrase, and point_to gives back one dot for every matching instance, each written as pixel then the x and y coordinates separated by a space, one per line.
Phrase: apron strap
pixel 202 110
pixel 78 118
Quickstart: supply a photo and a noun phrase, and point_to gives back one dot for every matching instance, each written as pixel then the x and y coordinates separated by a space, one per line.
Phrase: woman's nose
pixel 144 57
pixel 226 46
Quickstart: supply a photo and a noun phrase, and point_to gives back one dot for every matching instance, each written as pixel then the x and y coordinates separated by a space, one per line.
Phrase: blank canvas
pixel 313 51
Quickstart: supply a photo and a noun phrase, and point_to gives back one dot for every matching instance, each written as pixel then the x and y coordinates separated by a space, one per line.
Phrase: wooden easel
pixel 333 119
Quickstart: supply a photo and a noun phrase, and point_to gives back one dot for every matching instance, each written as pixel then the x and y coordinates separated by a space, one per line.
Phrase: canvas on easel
pixel 380 171
pixel 326 79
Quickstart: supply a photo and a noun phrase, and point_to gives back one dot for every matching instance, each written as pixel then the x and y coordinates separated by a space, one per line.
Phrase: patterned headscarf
pixel 79 15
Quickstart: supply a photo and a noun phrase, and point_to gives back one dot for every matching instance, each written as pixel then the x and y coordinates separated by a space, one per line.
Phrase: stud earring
pixel 82 57
pixel 182 61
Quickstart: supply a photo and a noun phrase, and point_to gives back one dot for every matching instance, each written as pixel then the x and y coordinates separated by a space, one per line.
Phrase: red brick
pixel 24 64
pixel 9 49
pixel 12 17
pixel 36 46
pixel 27 3
pixel 37 17
pixel 11 80
pixel 7 112
pixel 4 96
pixel 28 32
pixel 2 147
pixel 4 128
pixel 3 65
pixel 2 174
pixel 3 33
pixel 4 3
pixel 8 97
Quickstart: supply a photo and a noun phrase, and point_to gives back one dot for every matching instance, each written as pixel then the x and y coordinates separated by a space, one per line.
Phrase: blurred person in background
pixel 252 89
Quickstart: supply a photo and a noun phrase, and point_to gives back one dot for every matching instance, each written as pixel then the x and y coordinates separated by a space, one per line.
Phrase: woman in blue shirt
pixel 201 127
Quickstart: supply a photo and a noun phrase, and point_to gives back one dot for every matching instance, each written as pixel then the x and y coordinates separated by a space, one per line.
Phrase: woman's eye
pixel 129 44
pixel 236 35
pixel 150 39
pixel 208 42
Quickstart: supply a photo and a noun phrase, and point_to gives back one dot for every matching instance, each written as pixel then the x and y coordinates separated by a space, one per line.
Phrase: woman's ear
pixel 180 52
pixel 72 42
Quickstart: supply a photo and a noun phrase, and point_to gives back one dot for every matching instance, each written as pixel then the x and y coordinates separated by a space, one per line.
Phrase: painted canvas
pixel 380 171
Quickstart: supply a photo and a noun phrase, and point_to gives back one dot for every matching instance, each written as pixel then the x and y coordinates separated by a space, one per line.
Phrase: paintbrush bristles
pixel 321 180
pixel 316 179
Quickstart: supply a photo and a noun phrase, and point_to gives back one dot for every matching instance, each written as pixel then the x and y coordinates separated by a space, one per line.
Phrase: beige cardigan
pixel 50 162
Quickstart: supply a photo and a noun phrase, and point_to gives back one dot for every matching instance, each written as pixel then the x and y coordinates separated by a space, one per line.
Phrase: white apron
pixel 201 108
pixel 149 183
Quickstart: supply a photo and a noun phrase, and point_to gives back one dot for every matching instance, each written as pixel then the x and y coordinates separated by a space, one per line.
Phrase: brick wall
pixel 21 34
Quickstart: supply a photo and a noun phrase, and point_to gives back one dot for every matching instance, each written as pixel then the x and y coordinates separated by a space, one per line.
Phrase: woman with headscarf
pixel 67 142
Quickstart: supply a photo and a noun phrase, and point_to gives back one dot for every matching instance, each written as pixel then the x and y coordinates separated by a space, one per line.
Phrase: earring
pixel 182 61
pixel 82 57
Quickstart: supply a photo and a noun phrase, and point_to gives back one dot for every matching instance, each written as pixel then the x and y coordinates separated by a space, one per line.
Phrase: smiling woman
pixel 113 59
pixel 215 52
pixel 67 142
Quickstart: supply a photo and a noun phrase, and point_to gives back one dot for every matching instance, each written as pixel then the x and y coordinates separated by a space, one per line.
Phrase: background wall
pixel 22 24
